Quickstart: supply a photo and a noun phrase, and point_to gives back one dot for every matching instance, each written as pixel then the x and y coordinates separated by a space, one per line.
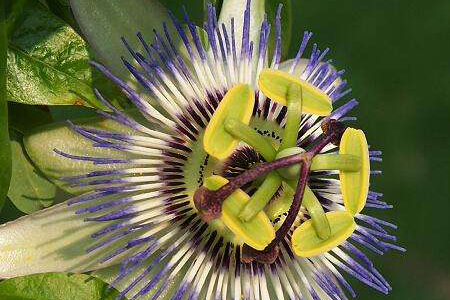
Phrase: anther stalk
pixel 342 162
pixel 245 133
pixel 293 120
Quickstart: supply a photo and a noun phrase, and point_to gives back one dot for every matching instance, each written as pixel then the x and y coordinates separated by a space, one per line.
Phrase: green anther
pixel 245 133
pixel 257 233
pixel 293 171
pixel 294 115
pixel 315 210
pixel 355 185
pixel 275 85
pixel 306 242
pixel 238 104
pixel 343 162
pixel 261 197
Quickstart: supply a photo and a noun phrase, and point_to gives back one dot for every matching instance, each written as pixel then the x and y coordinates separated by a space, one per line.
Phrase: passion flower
pixel 242 182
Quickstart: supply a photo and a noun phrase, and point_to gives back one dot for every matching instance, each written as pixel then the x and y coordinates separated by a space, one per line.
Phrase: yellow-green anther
pixel 261 197
pixel 275 85
pixel 293 171
pixel 258 232
pixel 315 210
pixel 355 185
pixel 343 162
pixel 306 242
pixel 238 104
pixel 294 115
pixel 242 131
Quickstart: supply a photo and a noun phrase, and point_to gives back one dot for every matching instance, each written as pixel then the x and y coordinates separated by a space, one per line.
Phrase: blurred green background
pixel 396 53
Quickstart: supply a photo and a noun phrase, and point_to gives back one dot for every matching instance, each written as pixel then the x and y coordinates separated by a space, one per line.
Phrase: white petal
pixel 236 9
pixel 51 240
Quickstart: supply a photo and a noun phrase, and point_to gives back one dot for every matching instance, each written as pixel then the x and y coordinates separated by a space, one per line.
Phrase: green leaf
pixel 286 24
pixel 5 150
pixel 29 190
pixel 55 286
pixel 48 62
pixel 104 22
pixel 69 112
pixel 61 8
pixel 62 137
pixel 13 11
pixel 10 212
pixel 23 118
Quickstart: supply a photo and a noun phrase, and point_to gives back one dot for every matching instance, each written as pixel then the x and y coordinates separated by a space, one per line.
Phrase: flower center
pixel 200 165
pixel 220 199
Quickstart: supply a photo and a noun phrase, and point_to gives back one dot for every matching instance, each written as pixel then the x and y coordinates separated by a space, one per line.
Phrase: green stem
pixel 245 133
pixel 344 162
pixel 294 115
pixel 5 148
